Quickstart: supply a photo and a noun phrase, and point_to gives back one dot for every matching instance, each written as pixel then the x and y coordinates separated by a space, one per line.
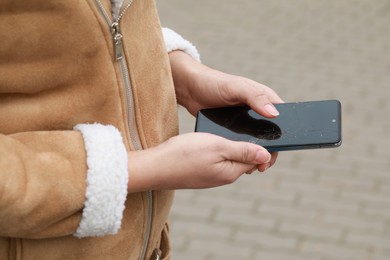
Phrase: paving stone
pixel 266 240
pixel 311 230
pixel 283 255
pixel 318 204
pixel 334 251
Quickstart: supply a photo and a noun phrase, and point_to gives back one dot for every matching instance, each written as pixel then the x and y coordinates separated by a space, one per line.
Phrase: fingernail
pixel 271 109
pixel 262 156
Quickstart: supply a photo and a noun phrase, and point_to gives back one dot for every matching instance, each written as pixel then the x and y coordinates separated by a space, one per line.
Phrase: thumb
pixel 248 153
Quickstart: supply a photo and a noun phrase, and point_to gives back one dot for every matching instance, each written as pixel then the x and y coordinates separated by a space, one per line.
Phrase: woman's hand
pixel 194 160
pixel 199 160
pixel 198 86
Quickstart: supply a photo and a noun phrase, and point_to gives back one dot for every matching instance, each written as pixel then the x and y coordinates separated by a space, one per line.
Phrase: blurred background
pixel 318 204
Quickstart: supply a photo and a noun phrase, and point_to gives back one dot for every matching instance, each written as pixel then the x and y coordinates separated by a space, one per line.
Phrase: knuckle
pixel 245 153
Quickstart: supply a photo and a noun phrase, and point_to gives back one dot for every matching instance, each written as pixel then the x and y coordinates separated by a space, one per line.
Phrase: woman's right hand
pixel 194 161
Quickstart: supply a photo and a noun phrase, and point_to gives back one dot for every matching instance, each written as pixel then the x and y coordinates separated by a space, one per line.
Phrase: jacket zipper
pixel 121 59
pixel 15 248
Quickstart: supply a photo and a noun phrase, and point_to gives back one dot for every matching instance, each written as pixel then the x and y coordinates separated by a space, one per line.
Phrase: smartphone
pixel 300 125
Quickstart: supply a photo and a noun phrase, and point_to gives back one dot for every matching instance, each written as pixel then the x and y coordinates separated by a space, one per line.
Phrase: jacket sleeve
pixel 58 183
pixel 174 41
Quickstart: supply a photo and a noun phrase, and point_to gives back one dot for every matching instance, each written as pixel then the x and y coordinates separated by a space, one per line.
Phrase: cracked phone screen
pixel 299 125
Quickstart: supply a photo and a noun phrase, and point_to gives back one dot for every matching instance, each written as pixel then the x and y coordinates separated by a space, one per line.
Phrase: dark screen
pixel 300 125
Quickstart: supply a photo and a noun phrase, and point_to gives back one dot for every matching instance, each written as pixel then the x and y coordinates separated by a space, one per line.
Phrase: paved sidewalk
pixel 319 204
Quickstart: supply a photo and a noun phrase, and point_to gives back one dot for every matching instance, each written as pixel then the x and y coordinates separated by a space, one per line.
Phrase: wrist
pixel 140 172
pixel 182 74
pixel 186 73
pixel 135 184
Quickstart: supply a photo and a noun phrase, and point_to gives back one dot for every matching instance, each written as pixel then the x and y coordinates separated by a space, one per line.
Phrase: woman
pixel 89 152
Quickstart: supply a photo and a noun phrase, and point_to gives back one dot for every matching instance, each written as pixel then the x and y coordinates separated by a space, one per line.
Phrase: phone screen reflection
pixel 244 121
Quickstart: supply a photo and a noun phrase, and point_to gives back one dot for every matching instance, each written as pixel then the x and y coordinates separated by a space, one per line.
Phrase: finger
pixel 251 170
pixel 263 167
pixel 260 98
pixel 260 91
pixel 263 102
pixel 266 166
pixel 274 157
pixel 242 168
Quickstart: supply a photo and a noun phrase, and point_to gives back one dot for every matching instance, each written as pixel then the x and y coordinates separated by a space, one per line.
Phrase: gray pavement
pixel 319 204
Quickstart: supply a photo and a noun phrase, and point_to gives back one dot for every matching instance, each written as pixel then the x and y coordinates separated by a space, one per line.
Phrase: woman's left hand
pixel 198 86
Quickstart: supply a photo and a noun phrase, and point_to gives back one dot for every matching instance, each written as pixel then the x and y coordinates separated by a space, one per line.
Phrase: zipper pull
pixel 156 255
pixel 117 36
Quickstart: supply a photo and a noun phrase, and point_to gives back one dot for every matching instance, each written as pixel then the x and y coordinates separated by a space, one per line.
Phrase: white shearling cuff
pixel 174 41
pixel 107 178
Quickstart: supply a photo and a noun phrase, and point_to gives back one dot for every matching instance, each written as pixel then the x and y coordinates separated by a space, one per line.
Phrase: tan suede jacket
pixel 78 90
